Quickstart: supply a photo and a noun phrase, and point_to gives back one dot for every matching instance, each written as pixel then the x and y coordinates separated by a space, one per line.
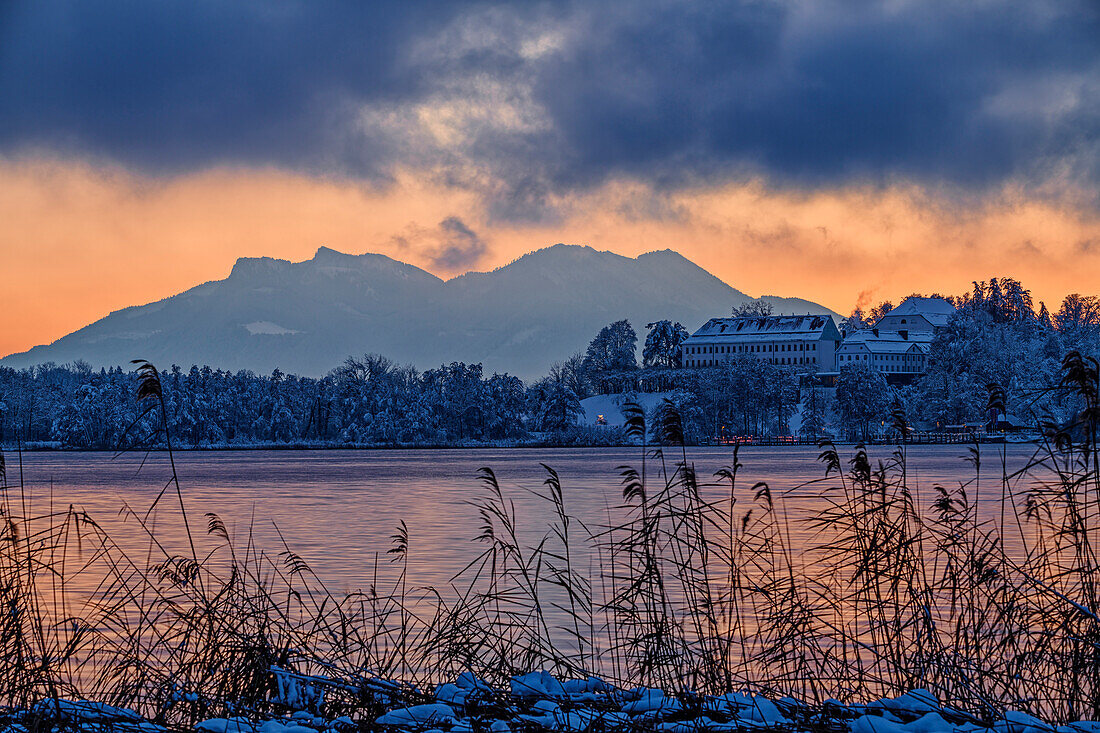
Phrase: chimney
pixel 904 334
pixel 874 331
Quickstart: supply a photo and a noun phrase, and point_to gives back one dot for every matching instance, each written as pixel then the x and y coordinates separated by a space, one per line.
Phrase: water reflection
pixel 338 509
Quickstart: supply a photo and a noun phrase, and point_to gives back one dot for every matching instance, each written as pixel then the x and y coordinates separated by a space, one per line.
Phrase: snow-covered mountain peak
pixel 307 317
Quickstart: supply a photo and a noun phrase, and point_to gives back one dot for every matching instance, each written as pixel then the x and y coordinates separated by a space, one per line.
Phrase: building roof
pixel 878 341
pixel 767 328
pixel 876 346
pixel 936 310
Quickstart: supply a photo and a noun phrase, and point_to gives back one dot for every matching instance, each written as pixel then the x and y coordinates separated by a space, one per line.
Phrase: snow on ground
pixel 538 701
pixel 794 423
pixel 611 406
pixel 267 328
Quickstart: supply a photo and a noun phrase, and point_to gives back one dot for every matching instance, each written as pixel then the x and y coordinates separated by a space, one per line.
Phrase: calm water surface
pixel 337 509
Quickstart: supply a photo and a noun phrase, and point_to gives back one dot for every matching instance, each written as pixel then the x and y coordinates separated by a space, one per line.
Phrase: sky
pixel 844 152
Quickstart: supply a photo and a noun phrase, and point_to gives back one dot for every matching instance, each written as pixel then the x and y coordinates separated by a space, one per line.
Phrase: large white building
pixel 800 341
pixel 899 342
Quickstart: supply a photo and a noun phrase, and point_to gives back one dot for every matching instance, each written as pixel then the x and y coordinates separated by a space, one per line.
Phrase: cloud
pixel 451 247
pixel 461 248
pixel 529 103
pixel 186 84
pixel 817 93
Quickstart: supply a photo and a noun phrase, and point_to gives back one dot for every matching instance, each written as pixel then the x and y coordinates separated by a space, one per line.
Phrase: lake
pixel 338 508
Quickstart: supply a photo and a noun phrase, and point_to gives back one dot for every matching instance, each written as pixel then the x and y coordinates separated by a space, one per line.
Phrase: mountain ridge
pixel 307 317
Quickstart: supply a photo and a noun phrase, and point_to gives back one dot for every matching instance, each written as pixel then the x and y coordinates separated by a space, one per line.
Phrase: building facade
pixel 899 343
pixel 807 341
pixel 896 352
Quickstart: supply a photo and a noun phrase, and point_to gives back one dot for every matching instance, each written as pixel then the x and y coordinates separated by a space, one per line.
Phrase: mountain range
pixel 307 317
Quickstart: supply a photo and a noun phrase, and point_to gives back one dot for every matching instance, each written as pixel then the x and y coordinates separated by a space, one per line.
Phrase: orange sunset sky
pixel 837 153
pixel 79 242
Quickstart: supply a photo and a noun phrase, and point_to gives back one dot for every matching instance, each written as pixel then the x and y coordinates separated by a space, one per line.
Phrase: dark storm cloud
pixel 185 83
pixel 811 93
pixel 461 247
pixel 451 246
pixel 966 92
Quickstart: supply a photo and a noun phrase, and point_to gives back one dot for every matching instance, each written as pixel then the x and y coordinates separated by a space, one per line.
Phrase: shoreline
pixel 37 448
pixel 535 701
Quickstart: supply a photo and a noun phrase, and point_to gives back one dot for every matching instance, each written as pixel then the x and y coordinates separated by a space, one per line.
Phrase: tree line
pixel 997 338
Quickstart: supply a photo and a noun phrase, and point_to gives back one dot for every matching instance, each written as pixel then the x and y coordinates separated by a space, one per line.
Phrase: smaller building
pixel 896 354
pixel 917 315
pixel 799 341
pixel 900 341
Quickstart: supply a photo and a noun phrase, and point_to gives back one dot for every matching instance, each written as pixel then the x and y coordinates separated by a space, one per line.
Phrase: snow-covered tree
pixel 862 399
pixel 552 403
pixel 813 410
pixel 860 320
pixel 613 349
pixel 662 344
pixel 610 355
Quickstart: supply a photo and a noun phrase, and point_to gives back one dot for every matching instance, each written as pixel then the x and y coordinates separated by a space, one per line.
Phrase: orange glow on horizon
pixel 78 242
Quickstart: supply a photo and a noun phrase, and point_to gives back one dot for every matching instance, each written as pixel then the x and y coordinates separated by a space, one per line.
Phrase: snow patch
pixel 610 406
pixel 267 328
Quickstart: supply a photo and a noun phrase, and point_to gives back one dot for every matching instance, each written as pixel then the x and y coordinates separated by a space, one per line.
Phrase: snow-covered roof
pixel 886 347
pixel 766 328
pixel 886 342
pixel 936 310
